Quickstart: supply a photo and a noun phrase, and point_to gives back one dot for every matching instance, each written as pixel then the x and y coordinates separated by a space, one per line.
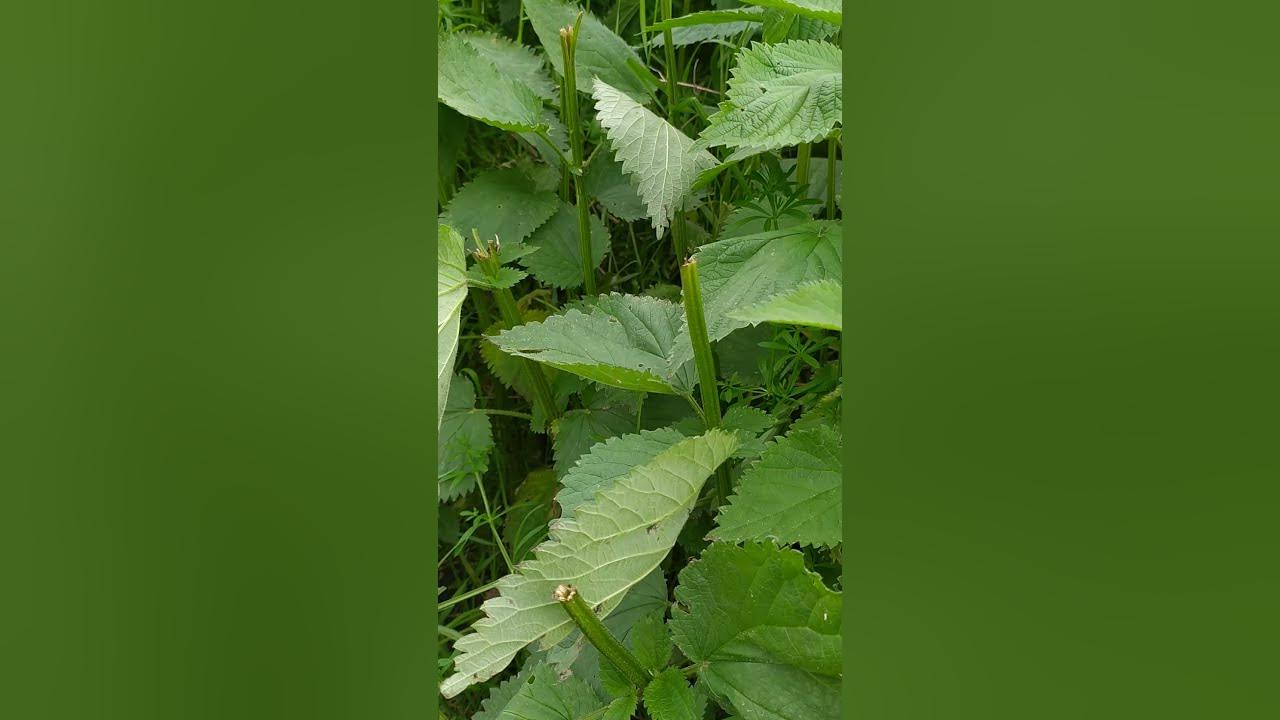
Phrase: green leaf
pixel 792 494
pixel 463 444
pixel 765 629
pixel 622 708
pixel 779 95
pixel 651 643
pixel 624 341
pixel 825 10
pixel 525 523
pixel 609 460
pixel 470 84
pixel 741 271
pixel 815 304
pixel 501 694
pixel 600 53
pixel 506 277
pixel 544 696
pixel 780 25
pixel 501 203
pixel 606 412
pixel 606 183
pixel 511 372
pixel 611 544
pixel 558 261
pixel 451 290
pixel 661 159
pixel 514 60
pixel 669 697
pixel 707 25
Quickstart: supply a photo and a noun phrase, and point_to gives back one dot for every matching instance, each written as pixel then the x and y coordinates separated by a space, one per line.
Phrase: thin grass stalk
pixel 568 49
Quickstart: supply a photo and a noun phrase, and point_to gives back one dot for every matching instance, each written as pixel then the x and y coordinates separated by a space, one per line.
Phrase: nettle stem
pixel 487 258
pixel 803 150
pixel 569 108
pixel 703 359
pixel 600 637
pixel 831 175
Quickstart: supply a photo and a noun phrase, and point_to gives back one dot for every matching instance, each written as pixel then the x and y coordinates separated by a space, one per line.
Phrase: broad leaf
pixel 470 84
pixel 825 10
pixel 600 53
pixel 669 697
pixel 781 25
pixel 500 696
pixel 544 696
pixel 741 271
pixel 609 460
pixel 766 631
pixel 503 204
pixel 815 304
pixel 514 60
pixel 463 443
pixel 558 260
pixel 792 494
pixel 606 183
pixel 513 372
pixel 651 642
pixel 451 290
pixel 612 543
pixel 708 25
pixel 624 341
pixel 779 95
pixel 663 161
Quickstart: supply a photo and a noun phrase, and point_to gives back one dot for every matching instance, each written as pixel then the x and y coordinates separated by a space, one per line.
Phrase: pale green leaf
pixel 600 53
pixel 558 261
pixel 792 494
pixel 825 10
pixel 740 271
pixel 779 95
pixel 503 204
pixel 766 631
pixel 624 341
pixel 609 460
pixel 661 159
pixel 513 372
pixel 780 25
pixel 467 82
pixel 463 443
pixel 544 696
pixel 668 696
pixel 451 291
pixel 611 544
pixel 815 304
pixel 708 25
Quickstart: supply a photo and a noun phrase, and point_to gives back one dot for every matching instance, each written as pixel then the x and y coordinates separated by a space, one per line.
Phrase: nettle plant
pixel 639 360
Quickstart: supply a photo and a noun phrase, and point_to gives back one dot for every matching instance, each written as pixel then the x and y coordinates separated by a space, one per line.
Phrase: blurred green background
pixel 1064 291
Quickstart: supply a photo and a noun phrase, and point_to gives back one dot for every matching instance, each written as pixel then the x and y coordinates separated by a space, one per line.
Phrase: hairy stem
pixel 600 637
pixel 703 359
pixel 487 258
pixel 831 177
pixel 569 107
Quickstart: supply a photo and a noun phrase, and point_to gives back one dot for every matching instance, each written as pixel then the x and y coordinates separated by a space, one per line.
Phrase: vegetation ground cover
pixel 639 371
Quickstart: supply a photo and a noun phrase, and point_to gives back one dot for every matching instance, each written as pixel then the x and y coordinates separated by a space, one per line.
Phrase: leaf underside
pixel 612 542
pixel 814 304
pixel 451 291
pixel 662 160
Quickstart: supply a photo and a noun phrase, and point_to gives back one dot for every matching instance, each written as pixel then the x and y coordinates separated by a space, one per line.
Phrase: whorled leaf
pixel 451 291
pixel 765 630
pixel 469 83
pixel 737 272
pixel 792 494
pixel 661 159
pixel 624 341
pixel 600 53
pixel 814 304
pixel 612 542
pixel 779 95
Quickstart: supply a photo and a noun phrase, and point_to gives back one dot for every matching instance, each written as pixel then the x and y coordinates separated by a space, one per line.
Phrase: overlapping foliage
pixel 667 443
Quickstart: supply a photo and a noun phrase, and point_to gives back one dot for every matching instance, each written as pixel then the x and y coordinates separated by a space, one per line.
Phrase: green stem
pixel 569 93
pixel 600 637
pixel 520 23
pixel 670 69
pixel 704 360
pixel 488 516
pixel 487 258
pixel 831 177
pixel 677 237
pixel 466 595
pixel 802 163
